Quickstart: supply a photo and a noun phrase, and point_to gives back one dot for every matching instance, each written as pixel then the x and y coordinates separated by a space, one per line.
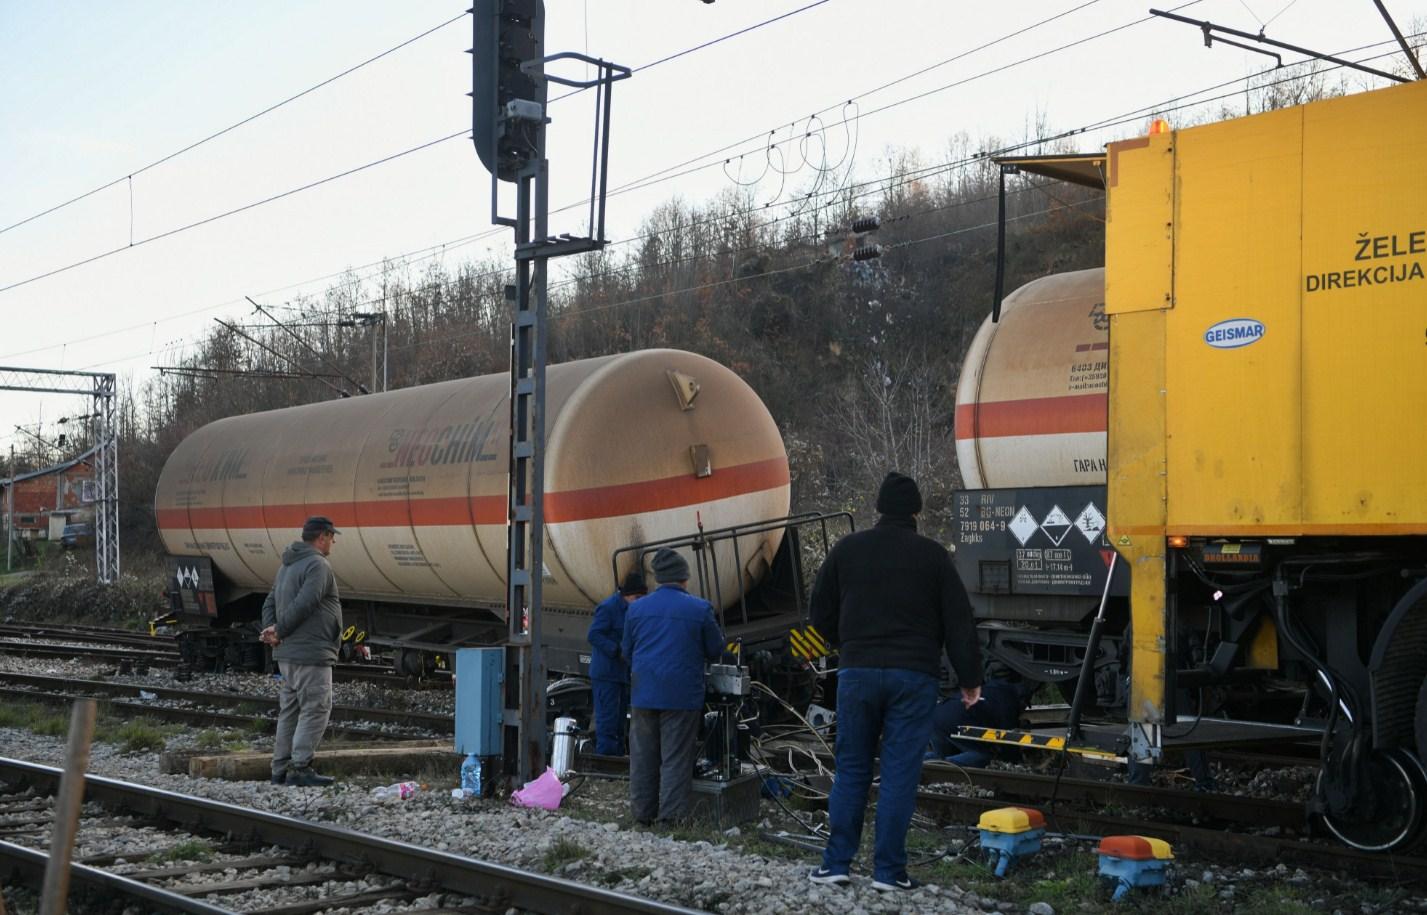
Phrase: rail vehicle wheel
pixel 570 697
pixel 1386 816
pixel 1420 722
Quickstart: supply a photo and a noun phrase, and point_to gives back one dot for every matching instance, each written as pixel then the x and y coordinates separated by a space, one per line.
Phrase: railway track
pixel 1191 841
pixel 205 708
pixel 1084 806
pixel 141 651
pixel 1215 830
pixel 261 851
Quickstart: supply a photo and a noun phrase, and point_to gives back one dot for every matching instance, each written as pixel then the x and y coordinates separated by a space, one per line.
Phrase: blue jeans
pixel 886 712
pixel 611 708
pixel 1000 707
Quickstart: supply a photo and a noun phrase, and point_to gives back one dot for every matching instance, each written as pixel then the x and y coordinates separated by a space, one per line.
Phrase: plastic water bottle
pixel 400 791
pixel 471 776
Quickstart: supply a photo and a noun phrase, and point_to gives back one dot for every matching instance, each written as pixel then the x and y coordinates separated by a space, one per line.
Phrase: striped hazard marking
pixel 1031 740
pixel 808 644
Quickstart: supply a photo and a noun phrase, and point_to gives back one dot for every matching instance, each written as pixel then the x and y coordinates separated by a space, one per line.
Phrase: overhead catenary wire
pixel 288 359
pixel 305 345
pixel 460 133
pixel 231 127
pixel 1161 107
pixel 234 211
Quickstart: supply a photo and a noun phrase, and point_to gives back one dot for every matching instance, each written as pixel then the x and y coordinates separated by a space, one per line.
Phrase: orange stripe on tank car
pixel 670 492
pixel 1033 416
pixel 573 505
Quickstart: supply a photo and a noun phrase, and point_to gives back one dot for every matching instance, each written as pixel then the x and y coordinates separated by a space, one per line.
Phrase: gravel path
pixel 591 839
pixel 698 874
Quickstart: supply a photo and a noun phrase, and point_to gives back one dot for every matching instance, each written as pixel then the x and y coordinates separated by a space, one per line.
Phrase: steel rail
pixel 29 866
pixel 157 658
pixel 1233 808
pixel 439 723
pixel 77 634
pixel 164 658
pixel 203 717
pixel 1195 841
pixel 495 885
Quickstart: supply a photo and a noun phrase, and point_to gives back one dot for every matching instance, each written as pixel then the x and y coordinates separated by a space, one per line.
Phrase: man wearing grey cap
pixel 668 636
pixel 302 621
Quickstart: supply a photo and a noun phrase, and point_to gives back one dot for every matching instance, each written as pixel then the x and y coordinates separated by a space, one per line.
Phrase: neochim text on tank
pixel 1194 479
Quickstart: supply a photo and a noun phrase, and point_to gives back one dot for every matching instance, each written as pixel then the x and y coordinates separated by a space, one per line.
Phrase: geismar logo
pixel 1234 333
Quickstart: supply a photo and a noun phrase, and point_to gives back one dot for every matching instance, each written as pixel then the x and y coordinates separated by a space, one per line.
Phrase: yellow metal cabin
pixel 1266 287
pixel 1268 379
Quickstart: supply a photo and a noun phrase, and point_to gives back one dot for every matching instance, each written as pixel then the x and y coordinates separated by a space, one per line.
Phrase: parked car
pixel 76 536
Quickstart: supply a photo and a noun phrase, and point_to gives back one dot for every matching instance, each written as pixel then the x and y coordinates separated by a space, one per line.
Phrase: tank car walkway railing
pixel 703 543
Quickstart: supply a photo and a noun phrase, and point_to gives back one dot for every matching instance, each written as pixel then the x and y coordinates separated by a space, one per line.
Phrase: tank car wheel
pixel 1393 812
pixel 1420 721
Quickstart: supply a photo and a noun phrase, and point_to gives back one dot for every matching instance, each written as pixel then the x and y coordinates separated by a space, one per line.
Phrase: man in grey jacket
pixel 302 621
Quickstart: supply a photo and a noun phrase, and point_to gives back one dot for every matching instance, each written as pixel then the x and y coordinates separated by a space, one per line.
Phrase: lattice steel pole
pixel 106 473
pixel 102 391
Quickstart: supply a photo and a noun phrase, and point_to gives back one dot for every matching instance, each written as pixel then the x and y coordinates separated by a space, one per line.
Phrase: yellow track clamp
pixel 1031 741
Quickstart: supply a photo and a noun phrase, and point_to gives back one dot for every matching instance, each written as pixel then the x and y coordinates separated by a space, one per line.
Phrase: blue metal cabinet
pixel 480 705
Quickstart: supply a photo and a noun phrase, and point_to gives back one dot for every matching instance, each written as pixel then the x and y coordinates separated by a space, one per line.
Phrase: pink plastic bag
pixel 544 792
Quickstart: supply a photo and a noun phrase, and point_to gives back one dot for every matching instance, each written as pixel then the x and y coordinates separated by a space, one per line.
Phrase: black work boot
pixel 304 777
pixel 280 778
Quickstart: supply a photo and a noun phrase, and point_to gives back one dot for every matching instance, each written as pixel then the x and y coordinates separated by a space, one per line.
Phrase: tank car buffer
pixel 1133 862
pixel 1009 833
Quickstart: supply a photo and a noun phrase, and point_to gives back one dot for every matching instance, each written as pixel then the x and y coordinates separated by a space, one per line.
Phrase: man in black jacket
pixel 890 600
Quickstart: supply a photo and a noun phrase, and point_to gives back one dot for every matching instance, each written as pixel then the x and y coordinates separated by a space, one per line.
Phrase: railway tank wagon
pixel 640 447
pixel 1264 376
pixel 1030 442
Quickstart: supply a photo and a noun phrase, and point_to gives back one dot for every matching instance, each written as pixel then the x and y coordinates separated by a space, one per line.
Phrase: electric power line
pixel 309 186
pixel 248 206
pixel 927 172
pixel 213 136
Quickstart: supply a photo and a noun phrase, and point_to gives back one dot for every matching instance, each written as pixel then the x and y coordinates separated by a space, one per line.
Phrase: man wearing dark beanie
pixel 891 601
pixel 668 636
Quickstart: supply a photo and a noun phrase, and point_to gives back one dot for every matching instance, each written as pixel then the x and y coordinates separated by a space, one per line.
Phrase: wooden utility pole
pixel 55 893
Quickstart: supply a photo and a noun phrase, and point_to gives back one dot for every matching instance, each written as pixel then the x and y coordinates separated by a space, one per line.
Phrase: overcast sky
pixel 95 92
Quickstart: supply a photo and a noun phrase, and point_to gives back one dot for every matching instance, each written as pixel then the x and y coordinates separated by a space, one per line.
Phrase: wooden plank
pixel 55 895
pixel 257 883
pixel 356 900
pixel 367 760
pixel 178 870
pixel 135 857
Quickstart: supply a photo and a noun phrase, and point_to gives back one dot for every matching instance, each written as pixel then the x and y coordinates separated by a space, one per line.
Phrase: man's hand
pixel 269 637
pixel 970 695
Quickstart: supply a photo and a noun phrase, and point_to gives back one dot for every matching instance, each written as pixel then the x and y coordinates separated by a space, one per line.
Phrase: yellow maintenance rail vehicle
pixel 1263 314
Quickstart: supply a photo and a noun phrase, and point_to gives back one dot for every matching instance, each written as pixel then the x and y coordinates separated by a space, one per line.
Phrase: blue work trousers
pixel 611 710
pixel 1000 707
pixel 882 712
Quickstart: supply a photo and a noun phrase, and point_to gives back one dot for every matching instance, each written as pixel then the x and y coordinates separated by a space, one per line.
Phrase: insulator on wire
pixel 867 253
pixel 866 224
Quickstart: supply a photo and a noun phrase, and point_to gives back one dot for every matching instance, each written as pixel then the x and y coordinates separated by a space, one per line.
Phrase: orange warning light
pixel 1178 541
pixel 1158 126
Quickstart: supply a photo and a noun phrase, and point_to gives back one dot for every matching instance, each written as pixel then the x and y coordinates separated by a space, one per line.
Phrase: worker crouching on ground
pixel 302 621
pixel 609 674
pixel 1004 695
pixel 668 637
pixel 889 599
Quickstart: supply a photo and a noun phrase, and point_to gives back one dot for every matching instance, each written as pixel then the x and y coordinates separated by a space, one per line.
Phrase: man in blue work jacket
pixel 609 675
pixel 668 636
